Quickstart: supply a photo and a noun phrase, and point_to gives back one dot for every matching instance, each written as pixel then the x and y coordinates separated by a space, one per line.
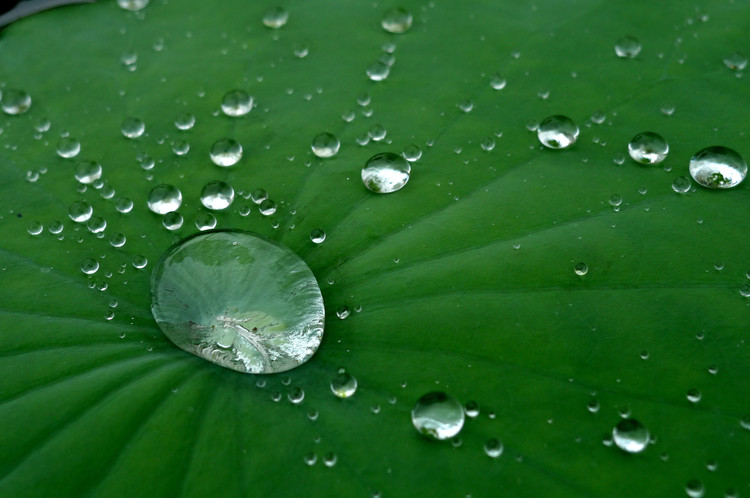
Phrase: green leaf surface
pixel 464 277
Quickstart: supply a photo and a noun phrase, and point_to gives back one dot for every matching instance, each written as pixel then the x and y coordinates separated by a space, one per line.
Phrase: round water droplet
pixel 325 145
pixel 96 224
pixel 412 153
pixel 681 185
pixel 438 415
pixel 89 266
pixel 267 207
pixel 581 269
pixel 180 147
pixel 236 103
pixel 80 211
pixel 493 448
pixel 172 221
pixel 258 308
pixel 377 132
pixel 35 228
pixel 88 172
pixel 276 17
pixel 627 47
pixel 745 422
pixel 735 61
pixel 615 200
pixel 259 195
pixel 68 147
pixel 396 20
pixel 694 488
pixel 693 395
pixel 329 459
pixel 184 121
pixel 310 458
pixel 217 195
pixel 718 167
pixel 15 102
pixel 124 205
pixel 385 173
pixel 164 199
pixel 648 148
pixel 557 132
pixel 378 71
pixel 630 435
pixel 598 117
pixel 344 385
pixel 139 261
pixel 317 236
pixel 132 127
pixel 132 5
pixel 497 81
pixel 205 221
pixel 117 239
pixel 745 290
pixel 226 152
pixel 296 395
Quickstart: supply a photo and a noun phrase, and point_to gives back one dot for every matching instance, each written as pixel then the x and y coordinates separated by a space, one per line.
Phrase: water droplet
pixel 180 147
pixel 693 395
pixel 438 415
pixel 497 81
pixel 205 221
pixel 267 207
pixel 226 152
pixel 276 17
pixel 15 102
pixel 681 185
pixel 343 312
pixel 96 224
pixel 80 211
pixel 89 266
pixel 132 127
pixel 627 47
pixel 184 121
pixel 472 409
pixel 325 145
pixel 117 239
pixel 630 435
pixel 259 309
pixel 694 488
pixel 667 109
pixel 236 103
pixel 296 395
pixel 581 269
pixel 745 422
pixel 396 20
pixel 615 200
pixel 648 148
pixel 557 132
pixel 466 105
pixel 598 117
pixel 88 172
pixel 301 50
pixel 488 144
pixel 259 195
pixel 317 236
pixel 217 195
pixel 329 459
pixel 745 290
pixel 493 448
pixel 124 205
pixel 735 61
pixel 385 173
pixel 35 228
pixel 412 153
pixel 378 71
pixel 172 221
pixel 139 261
pixel 718 167
pixel 593 405
pixel 132 5
pixel 310 458
pixel 344 385
pixel 68 147
pixel 712 465
pixel 164 199
pixel 377 132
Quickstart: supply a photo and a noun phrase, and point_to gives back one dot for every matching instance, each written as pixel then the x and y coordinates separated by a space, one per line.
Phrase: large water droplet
pixel 718 167
pixel 217 195
pixel 238 300
pixel 236 103
pixel 88 172
pixel 164 199
pixel 630 435
pixel 648 148
pixel 385 173
pixel 557 132
pixel 627 47
pixel 132 127
pixel 325 145
pixel 396 20
pixel 344 385
pixel 276 17
pixel 15 102
pixel 226 152
pixel 438 415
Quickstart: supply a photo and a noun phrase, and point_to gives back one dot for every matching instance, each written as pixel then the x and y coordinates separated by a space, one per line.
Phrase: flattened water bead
pixel 557 132
pixel 217 195
pixel 276 17
pixel 718 167
pixel 627 47
pixel 226 152
pixel 164 199
pixel 132 127
pixel 396 20
pixel 236 103
pixel 15 102
pixel 648 148
pixel 630 435
pixel 238 300
pixel 438 415
pixel 325 145
pixel 385 173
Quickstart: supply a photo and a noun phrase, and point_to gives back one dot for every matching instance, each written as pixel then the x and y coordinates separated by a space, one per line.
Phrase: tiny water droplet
pixel 472 409
pixel 745 422
pixel 276 17
pixel 438 415
pixel 718 167
pixel 681 185
pixel 132 127
pixel 648 148
pixel 598 117
pixel 627 47
pixel 557 132
pixel 630 435
pixel 343 312
pixel 180 147
pixel 296 395
pixel 325 145
pixel 396 20
pixel 226 152
pixel 236 103
pixel 310 459
pixel 132 5
pixel 385 173
pixel 344 385
pixel 329 459
pixel 497 81
pixel 164 199
pixel 693 395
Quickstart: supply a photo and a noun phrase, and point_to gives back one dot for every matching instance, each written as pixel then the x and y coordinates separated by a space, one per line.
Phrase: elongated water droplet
pixel 627 47
pixel 396 20
pixel 276 17
pixel 438 415
pixel 132 127
pixel 648 148
pixel 718 167
pixel 15 102
pixel 258 308
pixel 344 385
pixel 236 103
pixel 630 435
pixel 385 173
pixel 325 145
pixel 164 199
pixel 217 195
pixel 68 147
pixel 557 132
pixel 226 152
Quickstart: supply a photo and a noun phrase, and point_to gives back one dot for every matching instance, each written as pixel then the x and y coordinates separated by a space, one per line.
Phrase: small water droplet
pixel 276 17
pixel 132 127
pixel 378 71
pixel 344 385
pixel 343 312
pixel 693 395
pixel 259 195
pixel 581 269
pixel 267 207
pixel 184 121
pixel 630 435
pixel 438 415
pixel 385 173
pixel 310 459
pixel 35 228
pixel 598 117
pixel 472 409
pixel 325 145
pixel 296 395
pixel 124 205
pixel 694 488
pixel 88 172
pixel 593 405
pixel 681 185
pixel 68 147
pixel 117 239
pixel 718 167
pixel 164 199
pixel 377 132
pixel 172 221
pixel 497 81
pixel 96 224
pixel 317 236
pixel 80 211
pixel 205 221
pixel 745 422
pixel 735 61
pixel 615 200
pixel 15 102
pixel 557 132
pixel 493 448
pixel 396 20
pixel 329 459
pixel 412 153
pixel 236 103
pixel 226 152
pixel 627 47
pixel 89 266
pixel 132 5
pixel 648 148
